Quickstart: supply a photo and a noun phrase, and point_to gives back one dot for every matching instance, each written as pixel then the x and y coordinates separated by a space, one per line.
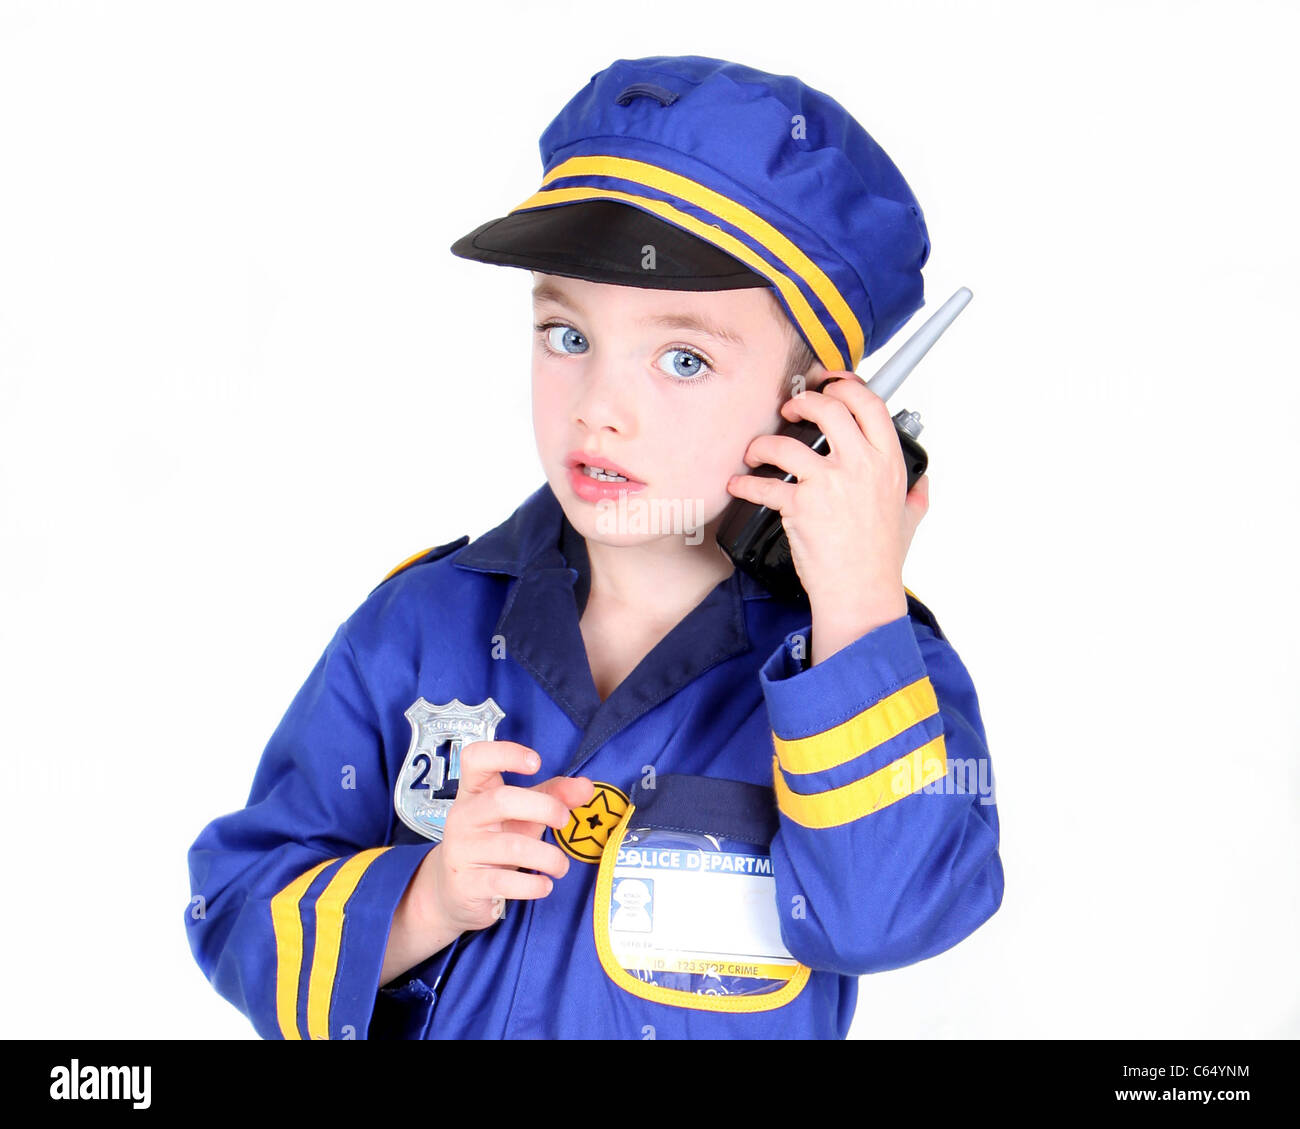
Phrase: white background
pixel 241 377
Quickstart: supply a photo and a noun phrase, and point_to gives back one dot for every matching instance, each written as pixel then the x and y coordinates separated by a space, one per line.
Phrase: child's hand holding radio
pixel 836 478
pixel 850 518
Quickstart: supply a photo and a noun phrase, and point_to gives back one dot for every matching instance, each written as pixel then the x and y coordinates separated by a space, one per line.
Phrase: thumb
pixel 571 791
pixel 917 502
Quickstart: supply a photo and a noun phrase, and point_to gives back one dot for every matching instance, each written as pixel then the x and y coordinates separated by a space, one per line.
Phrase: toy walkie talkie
pixel 753 536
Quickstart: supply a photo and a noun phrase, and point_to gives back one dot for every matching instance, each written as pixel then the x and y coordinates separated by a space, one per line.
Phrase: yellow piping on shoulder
pixel 409 561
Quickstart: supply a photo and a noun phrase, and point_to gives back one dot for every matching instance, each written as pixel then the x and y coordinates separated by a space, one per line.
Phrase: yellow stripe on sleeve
pixel 774 241
pixel 287 923
pixel 861 733
pixel 329 939
pixel 878 790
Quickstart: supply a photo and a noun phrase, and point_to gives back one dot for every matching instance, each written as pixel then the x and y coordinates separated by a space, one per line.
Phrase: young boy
pixel 580 777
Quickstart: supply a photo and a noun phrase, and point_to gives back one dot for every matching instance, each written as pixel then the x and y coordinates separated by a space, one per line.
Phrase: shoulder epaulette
pixel 426 555
pixel 918 610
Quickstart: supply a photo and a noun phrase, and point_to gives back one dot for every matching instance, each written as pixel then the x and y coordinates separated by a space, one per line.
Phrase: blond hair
pixel 799 358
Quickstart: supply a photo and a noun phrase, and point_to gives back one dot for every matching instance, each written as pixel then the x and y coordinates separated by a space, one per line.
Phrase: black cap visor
pixel 606 241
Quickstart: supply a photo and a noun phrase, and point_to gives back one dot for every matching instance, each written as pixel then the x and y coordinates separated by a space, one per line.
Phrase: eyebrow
pixel 549 292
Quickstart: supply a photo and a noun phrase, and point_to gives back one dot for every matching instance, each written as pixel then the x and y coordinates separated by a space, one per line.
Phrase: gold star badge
pixel 589 826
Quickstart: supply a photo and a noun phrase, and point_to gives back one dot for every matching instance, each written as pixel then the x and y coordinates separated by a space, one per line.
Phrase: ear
pixel 817 374
pixel 810 381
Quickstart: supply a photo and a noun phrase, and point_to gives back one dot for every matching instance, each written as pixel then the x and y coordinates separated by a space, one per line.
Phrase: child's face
pixel 617 376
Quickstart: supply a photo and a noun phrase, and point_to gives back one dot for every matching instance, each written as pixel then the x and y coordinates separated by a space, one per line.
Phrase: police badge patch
pixel 589 826
pixel 427 784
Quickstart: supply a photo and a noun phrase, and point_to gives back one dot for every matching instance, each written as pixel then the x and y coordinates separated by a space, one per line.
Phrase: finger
pixel 509 802
pixel 769 492
pixel 832 415
pixel 917 502
pixel 869 412
pixel 571 791
pixel 786 453
pixel 482 762
pixel 502 848
pixel 919 495
pixel 515 885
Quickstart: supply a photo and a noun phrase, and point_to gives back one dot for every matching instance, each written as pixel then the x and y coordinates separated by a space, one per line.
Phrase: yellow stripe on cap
pixel 772 239
pixel 826 350
pixel 862 732
pixel 883 787
pixel 287 923
pixel 329 939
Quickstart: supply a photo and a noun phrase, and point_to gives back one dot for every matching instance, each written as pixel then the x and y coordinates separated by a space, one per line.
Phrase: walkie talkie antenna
pixel 897 369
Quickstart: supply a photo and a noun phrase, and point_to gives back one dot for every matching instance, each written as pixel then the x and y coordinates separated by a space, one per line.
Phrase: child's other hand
pixel 850 517
pixel 492 831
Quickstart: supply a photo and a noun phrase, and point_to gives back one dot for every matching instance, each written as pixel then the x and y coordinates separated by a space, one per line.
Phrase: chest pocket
pixel 685 908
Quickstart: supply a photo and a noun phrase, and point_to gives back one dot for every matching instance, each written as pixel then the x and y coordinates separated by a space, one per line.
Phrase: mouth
pixel 599 469
pixel 596 479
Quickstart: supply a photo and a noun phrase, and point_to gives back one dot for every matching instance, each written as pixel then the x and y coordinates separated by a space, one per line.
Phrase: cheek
pixel 548 406
pixel 717 435
pixel 740 423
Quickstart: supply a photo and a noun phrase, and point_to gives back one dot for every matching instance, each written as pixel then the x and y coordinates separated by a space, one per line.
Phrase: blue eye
pixel 686 364
pixel 562 338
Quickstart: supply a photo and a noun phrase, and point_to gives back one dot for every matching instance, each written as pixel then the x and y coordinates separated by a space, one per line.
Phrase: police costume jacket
pixel 848 798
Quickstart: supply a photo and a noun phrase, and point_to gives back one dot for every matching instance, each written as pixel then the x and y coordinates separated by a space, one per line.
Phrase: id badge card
pixel 686 909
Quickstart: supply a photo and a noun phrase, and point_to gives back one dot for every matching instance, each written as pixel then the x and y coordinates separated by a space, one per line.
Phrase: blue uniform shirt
pixel 855 796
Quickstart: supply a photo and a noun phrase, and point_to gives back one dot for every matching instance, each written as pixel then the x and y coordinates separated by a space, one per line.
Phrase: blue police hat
pixel 736 178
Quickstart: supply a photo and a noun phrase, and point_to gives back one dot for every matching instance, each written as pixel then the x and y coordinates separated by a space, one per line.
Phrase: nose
pixel 604 396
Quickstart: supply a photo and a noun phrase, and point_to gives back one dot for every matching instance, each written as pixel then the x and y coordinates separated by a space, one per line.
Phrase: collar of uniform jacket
pixel 537 529
pixel 538 546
